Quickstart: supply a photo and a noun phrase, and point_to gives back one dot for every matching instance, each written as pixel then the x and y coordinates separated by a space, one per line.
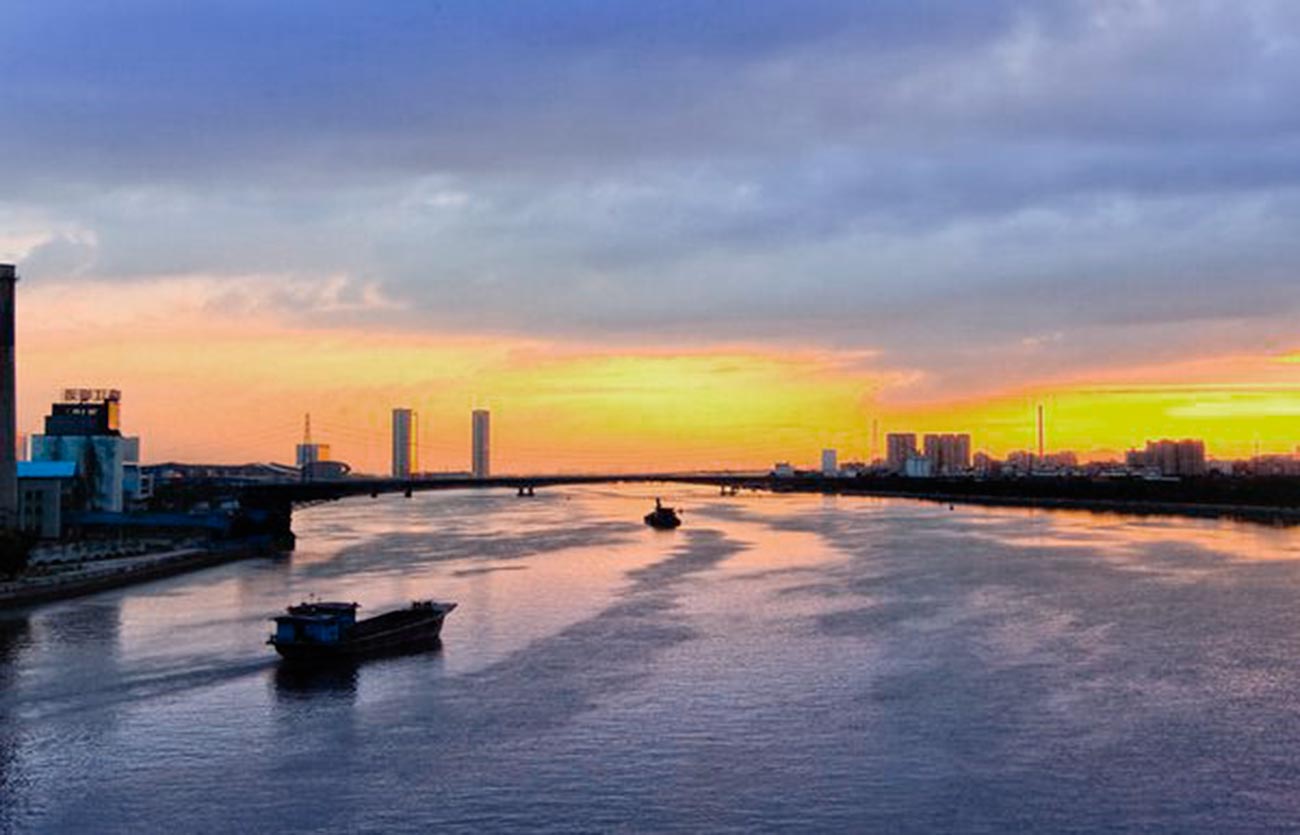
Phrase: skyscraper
pixel 899 446
pixel 481 452
pixel 406 442
pixel 1175 458
pixel 949 454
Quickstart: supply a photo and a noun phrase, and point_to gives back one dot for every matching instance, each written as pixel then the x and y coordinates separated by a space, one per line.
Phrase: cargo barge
pixel 318 632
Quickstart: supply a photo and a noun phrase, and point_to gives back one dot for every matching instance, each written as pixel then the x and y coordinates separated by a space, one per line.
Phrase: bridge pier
pixel 272 519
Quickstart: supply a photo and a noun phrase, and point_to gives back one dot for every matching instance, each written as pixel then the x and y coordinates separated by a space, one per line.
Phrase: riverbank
pixel 1271 514
pixel 90 577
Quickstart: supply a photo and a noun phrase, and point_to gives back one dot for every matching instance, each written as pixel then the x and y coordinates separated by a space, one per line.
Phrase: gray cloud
pixel 935 179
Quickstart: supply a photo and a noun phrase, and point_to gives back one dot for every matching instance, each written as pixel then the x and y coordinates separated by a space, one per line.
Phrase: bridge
pixel 1270 499
pixel 310 492
pixel 266 507
pixel 272 503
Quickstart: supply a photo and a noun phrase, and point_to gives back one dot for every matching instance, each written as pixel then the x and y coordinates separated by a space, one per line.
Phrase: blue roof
pixel 47 469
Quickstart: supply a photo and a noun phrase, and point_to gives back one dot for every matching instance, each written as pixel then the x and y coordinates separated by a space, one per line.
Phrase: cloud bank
pixel 988 193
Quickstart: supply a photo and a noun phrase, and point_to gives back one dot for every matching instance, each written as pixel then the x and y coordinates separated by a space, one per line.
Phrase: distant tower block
pixel 8 408
pixel 481 453
pixel 406 442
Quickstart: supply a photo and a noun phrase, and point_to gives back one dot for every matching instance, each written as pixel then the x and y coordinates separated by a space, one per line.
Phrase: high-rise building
pixel 830 462
pixel 899 446
pixel 1191 457
pixel 1172 458
pixel 406 442
pixel 949 454
pixel 481 451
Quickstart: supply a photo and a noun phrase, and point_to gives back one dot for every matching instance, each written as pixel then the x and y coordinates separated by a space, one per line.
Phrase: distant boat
pixel 329 631
pixel 663 518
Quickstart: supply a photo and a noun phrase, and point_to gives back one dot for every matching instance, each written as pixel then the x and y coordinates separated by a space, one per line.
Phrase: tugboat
pixel 663 518
pixel 321 632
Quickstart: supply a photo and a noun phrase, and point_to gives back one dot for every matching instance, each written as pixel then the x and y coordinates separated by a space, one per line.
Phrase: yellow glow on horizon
pixel 204 382
pixel 1104 422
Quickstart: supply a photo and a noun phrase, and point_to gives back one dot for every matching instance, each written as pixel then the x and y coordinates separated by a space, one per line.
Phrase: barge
pixel 319 632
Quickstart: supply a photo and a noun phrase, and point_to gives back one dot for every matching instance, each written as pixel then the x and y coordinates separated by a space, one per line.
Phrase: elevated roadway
pixel 289 493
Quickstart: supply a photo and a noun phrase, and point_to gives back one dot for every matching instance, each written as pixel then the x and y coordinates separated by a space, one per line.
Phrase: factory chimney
pixel 8 408
pixel 1042 446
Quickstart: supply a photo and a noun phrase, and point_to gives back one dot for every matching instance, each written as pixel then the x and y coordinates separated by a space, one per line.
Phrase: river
pixel 780 663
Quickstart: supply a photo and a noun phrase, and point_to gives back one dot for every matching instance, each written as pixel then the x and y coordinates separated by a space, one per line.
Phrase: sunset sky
pixel 657 234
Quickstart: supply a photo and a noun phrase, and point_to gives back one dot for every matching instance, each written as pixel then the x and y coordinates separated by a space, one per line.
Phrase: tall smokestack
pixel 8 409
pixel 1041 446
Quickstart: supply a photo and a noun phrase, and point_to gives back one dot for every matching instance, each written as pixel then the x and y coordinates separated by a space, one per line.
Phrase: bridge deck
pixel 303 492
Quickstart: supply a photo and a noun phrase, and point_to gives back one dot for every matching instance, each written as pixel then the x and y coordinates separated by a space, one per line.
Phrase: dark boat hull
pixel 395 632
pixel 662 521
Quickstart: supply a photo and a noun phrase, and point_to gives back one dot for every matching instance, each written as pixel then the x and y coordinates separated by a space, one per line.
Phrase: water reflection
pixel 13 638
pixel 14 634
pixel 88 623
pixel 294 683
pixel 341 679
pixel 781 662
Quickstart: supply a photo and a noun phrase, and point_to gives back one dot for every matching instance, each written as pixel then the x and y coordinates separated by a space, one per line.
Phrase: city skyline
pixel 680 235
pixel 358 429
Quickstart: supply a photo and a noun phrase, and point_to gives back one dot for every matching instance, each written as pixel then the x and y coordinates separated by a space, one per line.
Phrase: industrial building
pixel 84 429
pixel 310 453
pixel 45 488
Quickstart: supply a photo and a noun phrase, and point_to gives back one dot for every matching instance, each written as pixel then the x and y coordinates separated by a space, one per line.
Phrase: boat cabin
pixel 320 623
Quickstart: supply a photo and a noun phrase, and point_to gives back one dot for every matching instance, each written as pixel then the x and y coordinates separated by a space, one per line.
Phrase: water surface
pixel 779 663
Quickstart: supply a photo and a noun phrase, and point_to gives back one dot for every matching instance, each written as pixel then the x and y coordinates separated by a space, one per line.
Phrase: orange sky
pixel 204 382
